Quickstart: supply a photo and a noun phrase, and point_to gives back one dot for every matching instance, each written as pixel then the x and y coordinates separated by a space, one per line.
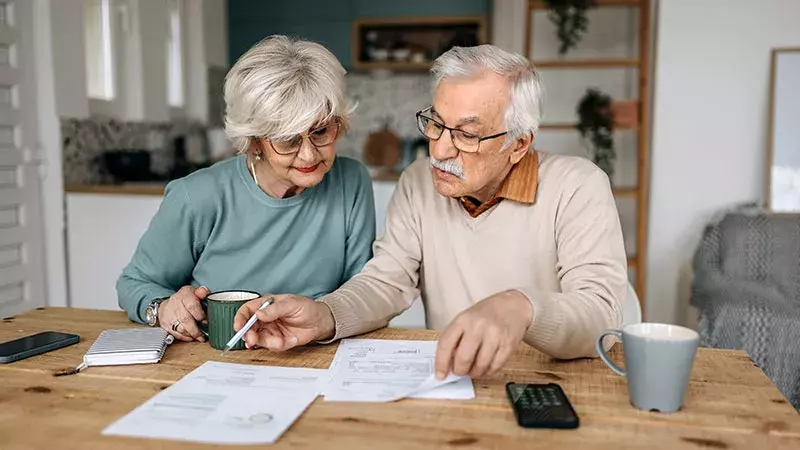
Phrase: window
pixel 6 14
pixel 99 62
pixel 174 56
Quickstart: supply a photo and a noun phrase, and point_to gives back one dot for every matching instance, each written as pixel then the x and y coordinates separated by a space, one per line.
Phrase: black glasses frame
pixel 419 115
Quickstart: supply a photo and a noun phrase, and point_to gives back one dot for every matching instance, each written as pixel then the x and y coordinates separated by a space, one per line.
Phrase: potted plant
pixel 596 125
pixel 626 113
pixel 569 17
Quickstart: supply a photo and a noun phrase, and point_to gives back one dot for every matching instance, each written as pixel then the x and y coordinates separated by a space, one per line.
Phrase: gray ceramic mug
pixel 658 362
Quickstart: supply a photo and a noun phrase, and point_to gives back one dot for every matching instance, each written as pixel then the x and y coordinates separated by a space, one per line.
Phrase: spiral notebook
pixel 127 346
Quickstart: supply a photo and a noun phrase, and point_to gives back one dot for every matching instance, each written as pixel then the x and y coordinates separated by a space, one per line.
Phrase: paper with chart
pixel 374 370
pixel 226 404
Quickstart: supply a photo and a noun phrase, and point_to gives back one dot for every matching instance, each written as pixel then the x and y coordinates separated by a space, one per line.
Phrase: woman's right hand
pixel 184 306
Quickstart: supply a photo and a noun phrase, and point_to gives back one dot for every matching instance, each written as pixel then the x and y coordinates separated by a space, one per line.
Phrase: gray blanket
pixel 747 288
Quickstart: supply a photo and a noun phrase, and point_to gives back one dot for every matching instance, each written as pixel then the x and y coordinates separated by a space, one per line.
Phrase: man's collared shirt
pixel 519 186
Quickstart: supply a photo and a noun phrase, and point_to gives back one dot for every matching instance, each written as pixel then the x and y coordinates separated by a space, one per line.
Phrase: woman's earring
pixel 258 157
pixel 253 170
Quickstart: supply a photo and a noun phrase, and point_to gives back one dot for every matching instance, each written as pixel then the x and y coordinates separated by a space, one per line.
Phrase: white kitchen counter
pixel 104 224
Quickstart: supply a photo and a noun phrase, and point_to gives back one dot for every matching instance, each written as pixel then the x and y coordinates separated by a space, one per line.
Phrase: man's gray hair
pixel 524 112
pixel 282 87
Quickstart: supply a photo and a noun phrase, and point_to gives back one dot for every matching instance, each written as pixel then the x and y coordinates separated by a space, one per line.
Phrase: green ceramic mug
pixel 221 308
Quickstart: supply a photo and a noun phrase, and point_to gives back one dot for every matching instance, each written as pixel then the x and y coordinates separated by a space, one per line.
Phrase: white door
pixel 21 232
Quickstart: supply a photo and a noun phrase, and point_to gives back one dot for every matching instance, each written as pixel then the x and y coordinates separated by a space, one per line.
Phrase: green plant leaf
pixel 569 17
pixel 596 124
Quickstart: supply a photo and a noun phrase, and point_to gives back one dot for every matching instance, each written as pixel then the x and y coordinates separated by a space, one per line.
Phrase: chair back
pixel 632 309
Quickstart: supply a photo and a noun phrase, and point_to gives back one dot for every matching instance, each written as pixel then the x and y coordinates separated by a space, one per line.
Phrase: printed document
pixel 374 370
pixel 226 404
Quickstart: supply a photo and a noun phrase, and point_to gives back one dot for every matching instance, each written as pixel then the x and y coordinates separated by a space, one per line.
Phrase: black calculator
pixel 541 406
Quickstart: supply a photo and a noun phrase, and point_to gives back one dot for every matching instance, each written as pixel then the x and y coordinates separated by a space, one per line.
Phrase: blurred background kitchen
pixel 111 99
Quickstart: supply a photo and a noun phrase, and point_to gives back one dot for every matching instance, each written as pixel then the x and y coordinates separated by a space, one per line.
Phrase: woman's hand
pixel 180 314
pixel 289 322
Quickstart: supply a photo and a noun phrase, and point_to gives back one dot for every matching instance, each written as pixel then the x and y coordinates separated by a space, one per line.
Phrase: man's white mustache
pixel 449 166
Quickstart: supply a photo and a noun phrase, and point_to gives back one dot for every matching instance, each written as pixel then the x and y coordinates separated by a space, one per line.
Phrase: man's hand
pixel 289 322
pixel 480 339
pixel 184 306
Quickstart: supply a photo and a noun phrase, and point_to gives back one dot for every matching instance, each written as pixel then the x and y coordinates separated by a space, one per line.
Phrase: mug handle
pixel 203 328
pixel 604 356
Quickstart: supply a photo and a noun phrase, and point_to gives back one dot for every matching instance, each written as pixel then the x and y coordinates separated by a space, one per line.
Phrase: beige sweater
pixel 565 252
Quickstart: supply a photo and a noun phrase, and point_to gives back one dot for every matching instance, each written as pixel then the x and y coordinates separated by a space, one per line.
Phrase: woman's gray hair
pixel 524 113
pixel 282 87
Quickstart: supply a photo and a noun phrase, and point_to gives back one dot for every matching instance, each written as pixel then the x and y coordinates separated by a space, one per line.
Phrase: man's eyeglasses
pixel 319 137
pixel 462 140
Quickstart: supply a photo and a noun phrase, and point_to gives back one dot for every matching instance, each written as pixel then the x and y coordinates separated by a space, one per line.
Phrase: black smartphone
pixel 541 406
pixel 35 344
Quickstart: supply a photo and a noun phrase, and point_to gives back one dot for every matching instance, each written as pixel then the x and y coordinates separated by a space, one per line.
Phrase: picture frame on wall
pixel 783 141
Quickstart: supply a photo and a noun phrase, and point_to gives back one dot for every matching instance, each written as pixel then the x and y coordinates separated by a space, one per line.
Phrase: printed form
pixel 226 404
pixel 374 370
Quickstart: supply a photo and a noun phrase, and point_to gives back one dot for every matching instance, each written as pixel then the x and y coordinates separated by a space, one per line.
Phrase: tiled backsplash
pixel 85 140
pixel 382 99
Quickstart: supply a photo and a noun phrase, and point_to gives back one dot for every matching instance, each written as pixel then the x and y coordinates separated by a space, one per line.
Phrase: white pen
pixel 246 327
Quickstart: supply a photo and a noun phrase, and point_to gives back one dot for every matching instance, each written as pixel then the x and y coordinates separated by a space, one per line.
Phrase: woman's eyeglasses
pixel 319 137
pixel 462 140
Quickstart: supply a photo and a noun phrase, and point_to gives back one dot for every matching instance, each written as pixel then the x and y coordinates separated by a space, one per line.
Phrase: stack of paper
pixel 244 404
pixel 226 404
pixel 373 370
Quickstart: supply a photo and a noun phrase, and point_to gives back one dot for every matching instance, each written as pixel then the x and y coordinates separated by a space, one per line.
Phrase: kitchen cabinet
pixel 327 22
pixel 104 229
pixel 102 233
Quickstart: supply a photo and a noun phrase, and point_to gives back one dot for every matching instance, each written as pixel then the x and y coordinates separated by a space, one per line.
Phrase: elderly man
pixel 505 244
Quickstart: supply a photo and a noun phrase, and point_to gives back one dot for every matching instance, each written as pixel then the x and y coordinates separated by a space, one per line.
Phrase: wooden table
pixel 730 403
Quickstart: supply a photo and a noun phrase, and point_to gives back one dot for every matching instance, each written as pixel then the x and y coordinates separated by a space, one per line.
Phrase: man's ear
pixel 520 148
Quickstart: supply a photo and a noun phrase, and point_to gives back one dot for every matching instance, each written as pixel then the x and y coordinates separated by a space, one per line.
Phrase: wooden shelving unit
pixel 572 126
pixel 626 191
pixel 640 62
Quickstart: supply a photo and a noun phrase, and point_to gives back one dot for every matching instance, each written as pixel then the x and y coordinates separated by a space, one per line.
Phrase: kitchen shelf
pixel 157 188
pixel 585 63
pixel 600 3
pixel 126 189
pixel 375 42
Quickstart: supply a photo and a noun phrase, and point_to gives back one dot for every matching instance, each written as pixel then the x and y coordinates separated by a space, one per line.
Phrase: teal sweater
pixel 216 228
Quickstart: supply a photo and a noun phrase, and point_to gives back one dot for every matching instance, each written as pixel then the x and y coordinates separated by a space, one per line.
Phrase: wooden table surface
pixel 730 403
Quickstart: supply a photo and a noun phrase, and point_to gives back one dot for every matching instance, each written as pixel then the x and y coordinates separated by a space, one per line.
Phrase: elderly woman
pixel 284 215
